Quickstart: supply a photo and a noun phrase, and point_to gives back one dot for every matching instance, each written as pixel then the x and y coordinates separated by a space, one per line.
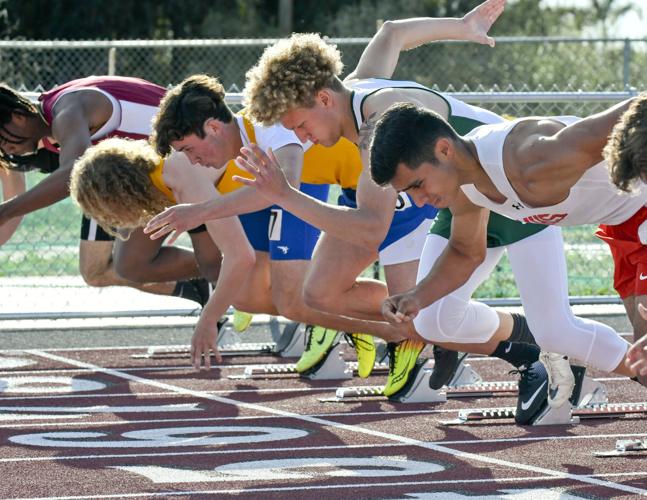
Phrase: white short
pixel 407 248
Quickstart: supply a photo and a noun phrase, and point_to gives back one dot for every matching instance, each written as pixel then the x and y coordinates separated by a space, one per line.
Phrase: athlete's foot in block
pixel 242 320
pixel 402 359
pixel 319 341
pixel 533 391
pixel 365 348
pixel 445 365
pixel 561 380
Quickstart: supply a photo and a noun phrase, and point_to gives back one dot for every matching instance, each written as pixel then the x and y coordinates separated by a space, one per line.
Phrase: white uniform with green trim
pixel 537 261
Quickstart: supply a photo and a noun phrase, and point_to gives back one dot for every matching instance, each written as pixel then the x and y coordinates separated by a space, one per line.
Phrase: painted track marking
pixel 355 429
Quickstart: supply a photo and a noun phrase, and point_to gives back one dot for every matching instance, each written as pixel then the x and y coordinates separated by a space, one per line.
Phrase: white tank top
pixel 592 200
pixel 462 116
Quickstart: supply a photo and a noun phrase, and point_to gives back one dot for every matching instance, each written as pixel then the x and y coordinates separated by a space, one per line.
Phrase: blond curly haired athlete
pixel 127 165
pixel 123 183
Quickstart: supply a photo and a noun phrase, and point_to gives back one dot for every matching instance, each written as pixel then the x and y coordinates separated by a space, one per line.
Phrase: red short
pixel 629 255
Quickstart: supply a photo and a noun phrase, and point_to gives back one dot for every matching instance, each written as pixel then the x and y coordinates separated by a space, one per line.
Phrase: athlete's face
pixel 316 124
pixel 429 184
pixel 207 151
pixel 19 136
pixel 220 144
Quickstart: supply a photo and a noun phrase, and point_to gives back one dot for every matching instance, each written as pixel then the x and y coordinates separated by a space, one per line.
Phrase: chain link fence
pixel 521 77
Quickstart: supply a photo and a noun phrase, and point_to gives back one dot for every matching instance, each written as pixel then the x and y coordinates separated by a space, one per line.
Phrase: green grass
pixel 46 244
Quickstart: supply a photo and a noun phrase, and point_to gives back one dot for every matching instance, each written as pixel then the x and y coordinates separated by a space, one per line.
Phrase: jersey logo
pixel 518 206
pixel 403 202
pixel 545 218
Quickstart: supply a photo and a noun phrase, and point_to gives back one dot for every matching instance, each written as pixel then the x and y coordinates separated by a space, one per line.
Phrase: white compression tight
pixel 539 268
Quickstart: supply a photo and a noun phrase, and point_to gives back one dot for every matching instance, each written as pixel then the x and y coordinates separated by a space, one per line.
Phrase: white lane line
pixel 186 368
pixel 350 428
pixel 144 394
pixel 298 488
pixel 249 451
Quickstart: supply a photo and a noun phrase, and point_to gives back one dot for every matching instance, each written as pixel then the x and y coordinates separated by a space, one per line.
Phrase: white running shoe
pixel 561 380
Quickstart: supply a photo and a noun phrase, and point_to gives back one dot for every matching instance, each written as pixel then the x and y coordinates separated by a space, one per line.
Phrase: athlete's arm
pixel 73 116
pixel 244 200
pixel 365 227
pixel 13 184
pixel 194 184
pixel 571 151
pixel 463 254
pixel 380 57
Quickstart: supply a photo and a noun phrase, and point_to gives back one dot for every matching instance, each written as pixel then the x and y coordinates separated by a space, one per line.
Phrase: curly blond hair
pixel 289 74
pixel 111 184
pixel 626 151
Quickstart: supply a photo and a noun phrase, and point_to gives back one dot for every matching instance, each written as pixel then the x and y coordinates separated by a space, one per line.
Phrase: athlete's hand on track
pixel 400 308
pixel 480 19
pixel 203 342
pixel 269 178
pixel 176 219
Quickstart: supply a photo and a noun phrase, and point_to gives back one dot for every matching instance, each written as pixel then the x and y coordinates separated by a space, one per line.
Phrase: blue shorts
pixel 280 233
pixel 407 216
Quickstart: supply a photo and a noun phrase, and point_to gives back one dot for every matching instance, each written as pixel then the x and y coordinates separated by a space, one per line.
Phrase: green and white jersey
pixel 463 118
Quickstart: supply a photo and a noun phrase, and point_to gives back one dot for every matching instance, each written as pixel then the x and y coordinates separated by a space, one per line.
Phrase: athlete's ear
pixel 211 126
pixel 444 148
pixel 325 97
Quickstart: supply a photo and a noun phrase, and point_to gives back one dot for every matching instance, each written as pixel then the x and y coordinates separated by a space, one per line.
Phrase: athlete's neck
pixel 347 116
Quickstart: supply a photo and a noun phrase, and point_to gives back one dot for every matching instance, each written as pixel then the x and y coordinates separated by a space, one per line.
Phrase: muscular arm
pixel 192 184
pixel 71 128
pixel 13 184
pixel 246 199
pixel 381 55
pixel 464 253
pixel 572 150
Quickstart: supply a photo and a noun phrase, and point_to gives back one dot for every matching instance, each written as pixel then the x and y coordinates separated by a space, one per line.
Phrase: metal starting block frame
pixel 417 390
pixel 592 403
pixel 290 344
pixel 625 448
pixel 333 367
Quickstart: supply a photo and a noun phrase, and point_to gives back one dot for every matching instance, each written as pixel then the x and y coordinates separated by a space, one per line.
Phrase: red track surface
pixel 118 437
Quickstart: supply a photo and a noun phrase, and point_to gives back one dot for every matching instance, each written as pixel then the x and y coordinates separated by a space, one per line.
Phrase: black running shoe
pixel 533 392
pixel 445 366
pixel 202 289
pixel 578 373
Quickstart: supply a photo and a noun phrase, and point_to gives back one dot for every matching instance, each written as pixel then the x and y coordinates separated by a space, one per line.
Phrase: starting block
pixel 332 367
pixel 625 448
pixel 416 390
pixel 591 402
pixel 291 343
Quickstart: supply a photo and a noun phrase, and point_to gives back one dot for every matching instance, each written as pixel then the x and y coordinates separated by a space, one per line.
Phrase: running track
pixel 98 423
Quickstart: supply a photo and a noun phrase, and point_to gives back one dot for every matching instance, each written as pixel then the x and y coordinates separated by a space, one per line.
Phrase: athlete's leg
pixel 455 321
pixel 206 253
pixel 255 295
pixel 638 322
pixel 143 260
pixel 287 277
pixel 332 283
pixel 539 266
pixel 96 264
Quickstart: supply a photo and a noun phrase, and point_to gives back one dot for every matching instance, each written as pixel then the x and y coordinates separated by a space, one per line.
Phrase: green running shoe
pixel 365 349
pixel 319 341
pixel 402 359
pixel 242 320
